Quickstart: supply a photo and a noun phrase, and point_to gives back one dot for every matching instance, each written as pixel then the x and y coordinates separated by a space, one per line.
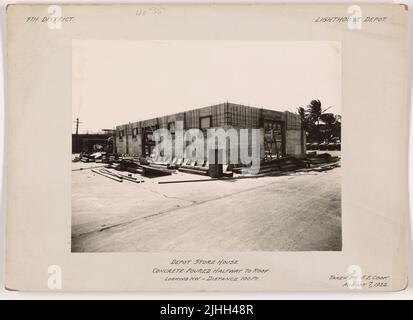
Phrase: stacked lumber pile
pixel 159 165
pixel 314 160
pixel 204 170
pixel 200 170
pixel 153 171
pixel 322 162
pixel 128 165
pixel 277 166
pixel 87 158
pixel 326 167
pixel 104 159
pixel 147 169
pixel 113 158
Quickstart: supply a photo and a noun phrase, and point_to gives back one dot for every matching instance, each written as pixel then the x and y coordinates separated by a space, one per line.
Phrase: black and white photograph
pixel 206 146
pixel 217 151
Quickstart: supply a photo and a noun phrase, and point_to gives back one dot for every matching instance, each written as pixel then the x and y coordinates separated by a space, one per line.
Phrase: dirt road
pixel 300 212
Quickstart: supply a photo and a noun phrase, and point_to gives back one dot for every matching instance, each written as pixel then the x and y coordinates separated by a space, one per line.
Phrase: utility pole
pixel 77 134
pixel 77 126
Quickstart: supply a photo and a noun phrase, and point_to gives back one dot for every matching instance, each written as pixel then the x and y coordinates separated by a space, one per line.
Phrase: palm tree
pixel 328 118
pixel 332 125
pixel 314 111
pixel 327 128
pixel 315 114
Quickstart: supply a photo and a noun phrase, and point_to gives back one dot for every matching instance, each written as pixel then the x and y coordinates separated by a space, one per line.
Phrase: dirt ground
pixel 296 212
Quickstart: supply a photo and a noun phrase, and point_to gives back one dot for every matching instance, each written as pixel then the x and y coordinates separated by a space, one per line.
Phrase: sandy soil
pixel 297 212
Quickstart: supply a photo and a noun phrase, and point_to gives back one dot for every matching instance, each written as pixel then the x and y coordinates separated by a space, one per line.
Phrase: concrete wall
pixel 295 137
pixel 128 144
pixel 120 144
pixel 293 143
pixel 261 144
pixel 226 115
pixel 135 144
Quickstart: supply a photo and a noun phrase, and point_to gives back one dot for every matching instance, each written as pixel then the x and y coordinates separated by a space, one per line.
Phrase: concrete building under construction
pixel 281 132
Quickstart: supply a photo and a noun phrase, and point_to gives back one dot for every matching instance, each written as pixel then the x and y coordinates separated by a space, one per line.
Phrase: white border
pixel 7 295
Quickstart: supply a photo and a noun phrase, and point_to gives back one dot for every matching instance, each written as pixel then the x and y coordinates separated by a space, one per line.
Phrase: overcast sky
pixel 120 81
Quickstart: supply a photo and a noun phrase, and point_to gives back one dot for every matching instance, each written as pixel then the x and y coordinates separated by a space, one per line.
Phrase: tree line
pixel 319 125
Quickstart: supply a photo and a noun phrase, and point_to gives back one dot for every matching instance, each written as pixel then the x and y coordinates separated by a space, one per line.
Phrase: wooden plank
pixel 107 175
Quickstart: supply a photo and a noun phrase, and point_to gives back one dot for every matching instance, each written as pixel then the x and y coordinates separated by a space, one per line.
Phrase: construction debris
pixel 153 170
pixel 115 176
pixel 193 168
pixel 94 167
pixel 107 175
pixel 313 161
pixel 134 165
pixel 327 167
pixel 276 166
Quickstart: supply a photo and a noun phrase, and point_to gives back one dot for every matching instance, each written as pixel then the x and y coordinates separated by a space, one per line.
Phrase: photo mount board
pixel 374 146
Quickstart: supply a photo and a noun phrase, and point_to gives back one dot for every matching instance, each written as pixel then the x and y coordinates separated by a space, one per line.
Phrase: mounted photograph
pixel 206 146
pixel 213 148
